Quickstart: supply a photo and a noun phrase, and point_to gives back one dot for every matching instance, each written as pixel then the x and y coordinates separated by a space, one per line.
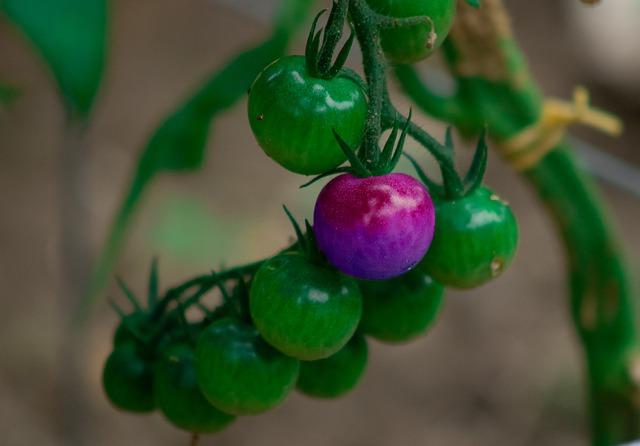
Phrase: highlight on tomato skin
pixel 238 372
pixel 305 310
pixel 374 228
pixel 410 44
pixel 475 240
pixel 293 115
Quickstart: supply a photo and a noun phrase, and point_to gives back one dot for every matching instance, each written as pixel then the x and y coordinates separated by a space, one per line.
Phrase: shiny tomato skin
pixel 238 372
pixel 306 311
pixel 374 228
pixel 408 44
pixel 293 114
pixel 475 240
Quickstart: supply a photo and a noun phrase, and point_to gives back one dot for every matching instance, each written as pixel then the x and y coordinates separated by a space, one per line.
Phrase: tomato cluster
pixel 300 323
pixel 375 262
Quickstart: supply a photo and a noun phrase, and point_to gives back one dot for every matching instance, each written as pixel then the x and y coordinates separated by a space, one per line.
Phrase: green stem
pixel 446 108
pixel 373 61
pixel 601 298
pixel 333 33
pixel 206 280
pixel 495 89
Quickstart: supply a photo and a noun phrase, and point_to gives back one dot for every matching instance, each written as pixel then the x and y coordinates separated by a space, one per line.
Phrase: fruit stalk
pixel 373 61
pixel 495 87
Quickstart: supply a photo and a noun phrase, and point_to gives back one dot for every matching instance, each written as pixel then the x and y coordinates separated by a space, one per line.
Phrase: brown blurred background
pixel 502 366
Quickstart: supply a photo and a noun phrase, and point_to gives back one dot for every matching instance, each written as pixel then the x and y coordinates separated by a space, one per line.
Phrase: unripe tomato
pixel 238 372
pixel 337 374
pixel 127 379
pixel 400 309
pixel 293 115
pixel 408 44
pixel 179 397
pixel 476 239
pixel 306 311
pixel 374 228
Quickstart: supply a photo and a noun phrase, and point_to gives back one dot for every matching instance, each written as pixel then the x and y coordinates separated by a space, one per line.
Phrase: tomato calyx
pixel 453 185
pixel 360 165
pixel 306 241
pixel 322 44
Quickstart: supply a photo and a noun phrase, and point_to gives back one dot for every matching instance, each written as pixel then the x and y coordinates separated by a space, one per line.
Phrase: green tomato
pixel 179 397
pixel 306 311
pixel 408 44
pixel 293 115
pixel 400 309
pixel 337 374
pixel 238 372
pixel 127 380
pixel 475 240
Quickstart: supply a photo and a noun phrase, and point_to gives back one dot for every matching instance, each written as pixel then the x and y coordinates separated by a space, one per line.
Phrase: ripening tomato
pixel 293 115
pixel 409 44
pixel 475 240
pixel 127 379
pixel 336 375
pixel 179 397
pixel 238 372
pixel 306 311
pixel 400 309
pixel 374 228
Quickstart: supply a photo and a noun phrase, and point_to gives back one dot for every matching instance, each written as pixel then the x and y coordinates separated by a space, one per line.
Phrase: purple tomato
pixel 376 227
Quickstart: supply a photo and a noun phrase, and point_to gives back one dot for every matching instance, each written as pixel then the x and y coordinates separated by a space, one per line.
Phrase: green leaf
pixel 474 3
pixel 179 143
pixel 71 37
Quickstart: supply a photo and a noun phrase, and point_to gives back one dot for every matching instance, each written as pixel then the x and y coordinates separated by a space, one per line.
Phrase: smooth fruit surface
pixel 374 228
pixel 400 309
pixel 127 380
pixel 476 239
pixel 293 115
pixel 306 311
pixel 238 372
pixel 337 374
pixel 179 397
pixel 408 44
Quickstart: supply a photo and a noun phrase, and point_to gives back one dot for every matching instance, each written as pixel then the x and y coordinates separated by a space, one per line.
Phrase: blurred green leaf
pixel 8 94
pixel 474 3
pixel 71 36
pixel 180 141
pixel 185 229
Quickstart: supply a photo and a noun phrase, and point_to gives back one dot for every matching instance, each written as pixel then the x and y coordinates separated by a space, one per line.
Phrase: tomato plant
pixel 383 245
